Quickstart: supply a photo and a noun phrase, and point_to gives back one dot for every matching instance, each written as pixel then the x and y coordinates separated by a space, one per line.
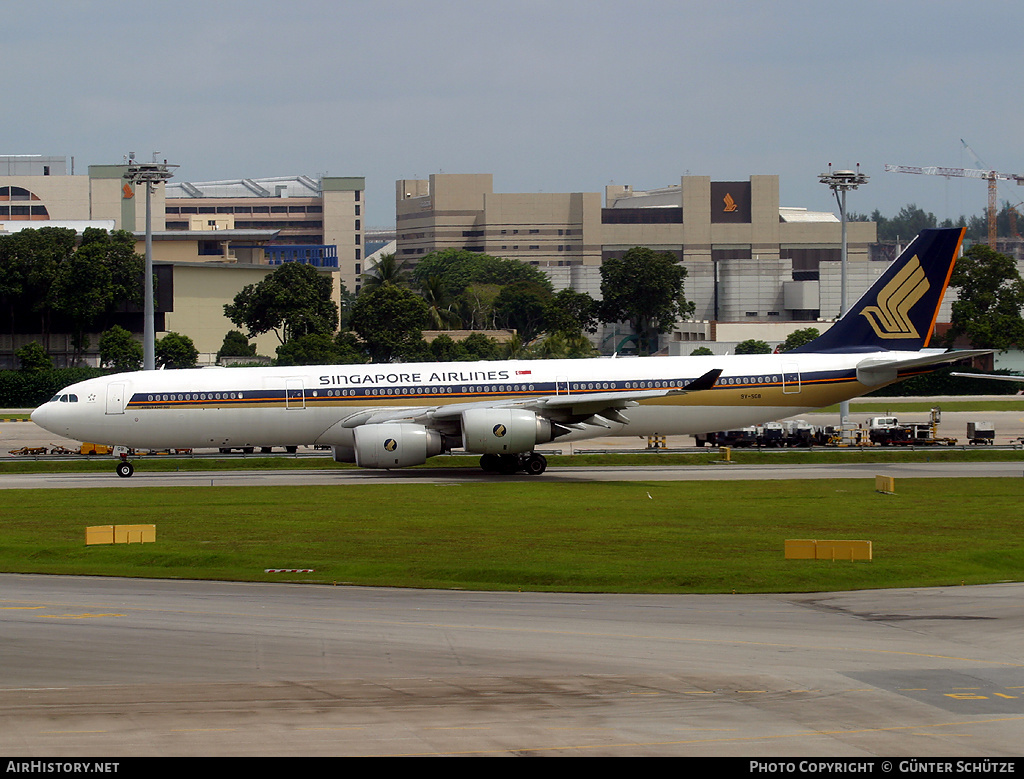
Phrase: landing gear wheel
pixel 490 463
pixel 535 464
pixel 125 469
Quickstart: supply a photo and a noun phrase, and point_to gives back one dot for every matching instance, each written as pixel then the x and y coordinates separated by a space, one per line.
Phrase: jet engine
pixel 503 431
pixel 395 445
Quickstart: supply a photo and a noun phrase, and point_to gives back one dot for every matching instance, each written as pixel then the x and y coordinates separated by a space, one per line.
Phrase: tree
pixel 645 289
pixel 388 270
pixel 522 306
pixel 390 322
pixel 292 301
pixel 440 305
pixel 444 349
pixel 479 347
pixel 33 358
pixel 799 338
pixel 701 351
pixel 176 351
pixel 459 268
pixel 571 313
pixel 752 346
pixel 101 274
pixel 990 296
pixel 119 350
pixel 236 345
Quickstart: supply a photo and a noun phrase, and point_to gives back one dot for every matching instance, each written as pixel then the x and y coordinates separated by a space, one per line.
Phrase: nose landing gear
pixel 125 468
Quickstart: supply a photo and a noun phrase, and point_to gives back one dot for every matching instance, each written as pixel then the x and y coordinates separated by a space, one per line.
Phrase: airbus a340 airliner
pixel 398 415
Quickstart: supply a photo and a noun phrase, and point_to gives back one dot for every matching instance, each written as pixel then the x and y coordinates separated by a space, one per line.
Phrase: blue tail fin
pixel 898 312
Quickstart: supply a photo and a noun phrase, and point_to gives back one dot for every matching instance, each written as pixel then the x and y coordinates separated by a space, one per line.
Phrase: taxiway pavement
pixel 115 667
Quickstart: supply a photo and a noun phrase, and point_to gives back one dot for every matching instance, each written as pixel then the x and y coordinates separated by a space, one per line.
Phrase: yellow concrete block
pixel 800 549
pixel 134 534
pixel 886 484
pixel 844 550
pixel 99 534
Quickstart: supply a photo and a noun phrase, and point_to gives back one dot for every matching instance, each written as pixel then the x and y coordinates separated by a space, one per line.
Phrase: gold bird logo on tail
pixel 890 319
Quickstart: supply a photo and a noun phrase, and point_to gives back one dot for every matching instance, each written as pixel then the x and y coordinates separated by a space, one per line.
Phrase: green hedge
pixel 28 389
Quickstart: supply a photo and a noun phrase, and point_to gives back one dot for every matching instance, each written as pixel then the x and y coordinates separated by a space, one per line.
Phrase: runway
pixel 113 667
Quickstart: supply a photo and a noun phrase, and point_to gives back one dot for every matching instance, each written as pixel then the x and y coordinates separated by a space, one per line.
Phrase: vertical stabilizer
pixel 898 312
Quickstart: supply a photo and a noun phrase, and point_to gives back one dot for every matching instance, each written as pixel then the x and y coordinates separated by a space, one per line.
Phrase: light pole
pixel 841 181
pixel 148 173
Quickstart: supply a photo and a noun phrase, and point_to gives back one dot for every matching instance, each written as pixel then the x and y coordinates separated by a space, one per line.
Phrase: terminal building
pixel 748 258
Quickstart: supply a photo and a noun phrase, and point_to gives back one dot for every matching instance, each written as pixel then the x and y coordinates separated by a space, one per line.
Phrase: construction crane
pixel 992 176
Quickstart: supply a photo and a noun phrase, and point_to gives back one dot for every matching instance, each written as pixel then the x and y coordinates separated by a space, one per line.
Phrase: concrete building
pixel 34 188
pixel 316 219
pixel 748 258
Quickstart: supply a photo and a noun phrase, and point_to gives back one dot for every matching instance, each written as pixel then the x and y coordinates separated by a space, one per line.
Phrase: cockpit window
pixel 64 398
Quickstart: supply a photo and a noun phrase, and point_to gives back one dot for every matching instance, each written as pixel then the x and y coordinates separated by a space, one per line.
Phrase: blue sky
pixel 556 96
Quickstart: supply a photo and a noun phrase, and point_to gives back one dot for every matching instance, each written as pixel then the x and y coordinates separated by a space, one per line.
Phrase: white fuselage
pixel 236 407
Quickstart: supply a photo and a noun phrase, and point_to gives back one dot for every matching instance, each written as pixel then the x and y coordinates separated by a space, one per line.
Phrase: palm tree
pixel 439 304
pixel 388 270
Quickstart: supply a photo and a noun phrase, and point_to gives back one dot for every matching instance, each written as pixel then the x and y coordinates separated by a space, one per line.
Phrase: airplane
pixel 398 415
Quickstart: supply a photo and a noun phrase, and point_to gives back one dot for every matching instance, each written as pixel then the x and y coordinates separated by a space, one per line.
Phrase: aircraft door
pixel 790 378
pixel 561 385
pixel 294 394
pixel 116 394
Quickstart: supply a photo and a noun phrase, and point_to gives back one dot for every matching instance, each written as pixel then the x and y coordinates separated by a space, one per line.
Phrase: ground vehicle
pixel 887 431
pixel 981 433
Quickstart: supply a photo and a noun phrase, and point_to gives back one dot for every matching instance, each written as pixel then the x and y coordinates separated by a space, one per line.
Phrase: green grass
pixel 596 537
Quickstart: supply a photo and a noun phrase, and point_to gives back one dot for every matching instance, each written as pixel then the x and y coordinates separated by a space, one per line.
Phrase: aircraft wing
pixel 552 406
pixel 880 370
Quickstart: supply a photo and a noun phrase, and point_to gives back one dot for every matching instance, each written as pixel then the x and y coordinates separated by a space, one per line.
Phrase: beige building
pixel 321 220
pixel 748 257
pixel 38 189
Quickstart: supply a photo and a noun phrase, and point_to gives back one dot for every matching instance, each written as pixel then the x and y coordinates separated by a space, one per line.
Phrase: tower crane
pixel 992 176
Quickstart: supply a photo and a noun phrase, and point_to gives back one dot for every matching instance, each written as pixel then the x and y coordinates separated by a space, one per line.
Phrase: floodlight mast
pixel 150 174
pixel 840 182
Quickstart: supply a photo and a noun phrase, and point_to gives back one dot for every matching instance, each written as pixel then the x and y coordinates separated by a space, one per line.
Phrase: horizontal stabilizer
pixel 994 376
pixel 879 370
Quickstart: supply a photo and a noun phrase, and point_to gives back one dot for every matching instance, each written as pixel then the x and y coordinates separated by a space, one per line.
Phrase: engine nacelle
pixel 503 431
pixel 395 446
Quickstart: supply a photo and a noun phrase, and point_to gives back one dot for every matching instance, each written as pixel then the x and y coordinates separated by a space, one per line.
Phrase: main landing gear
pixel 530 463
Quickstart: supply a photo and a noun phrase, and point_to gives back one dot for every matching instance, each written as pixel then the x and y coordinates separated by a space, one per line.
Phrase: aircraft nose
pixel 41 415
